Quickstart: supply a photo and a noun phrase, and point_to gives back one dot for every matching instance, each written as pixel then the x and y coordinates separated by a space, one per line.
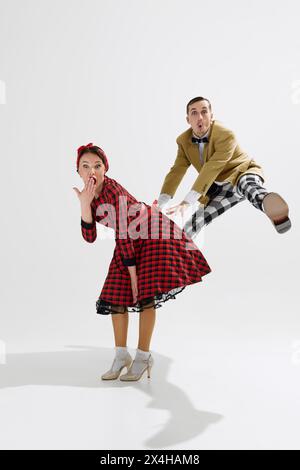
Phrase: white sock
pixel 121 351
pixel 141 354
pixel 121 355
pixel 138 365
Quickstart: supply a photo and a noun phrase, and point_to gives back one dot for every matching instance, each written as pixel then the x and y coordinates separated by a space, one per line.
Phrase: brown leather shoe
pixel 277 210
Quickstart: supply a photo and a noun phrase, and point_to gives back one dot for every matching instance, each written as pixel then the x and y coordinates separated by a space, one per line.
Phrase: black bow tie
pixel 195 140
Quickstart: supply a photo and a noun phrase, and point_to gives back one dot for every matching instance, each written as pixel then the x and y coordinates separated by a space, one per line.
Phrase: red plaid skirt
pixel 165 266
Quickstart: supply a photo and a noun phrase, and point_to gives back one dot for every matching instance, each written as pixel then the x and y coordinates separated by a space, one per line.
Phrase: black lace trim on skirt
pixel 106 308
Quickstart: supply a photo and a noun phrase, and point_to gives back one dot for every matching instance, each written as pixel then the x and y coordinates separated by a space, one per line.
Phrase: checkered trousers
pixel 223 197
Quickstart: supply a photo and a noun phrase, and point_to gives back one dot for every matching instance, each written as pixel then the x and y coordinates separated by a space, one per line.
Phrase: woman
pixel 152 262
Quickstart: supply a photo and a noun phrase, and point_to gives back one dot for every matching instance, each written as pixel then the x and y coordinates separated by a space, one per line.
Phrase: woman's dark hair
pixel 95 150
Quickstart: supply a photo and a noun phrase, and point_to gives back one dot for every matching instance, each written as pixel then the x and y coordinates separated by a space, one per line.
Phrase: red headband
pixel 83 147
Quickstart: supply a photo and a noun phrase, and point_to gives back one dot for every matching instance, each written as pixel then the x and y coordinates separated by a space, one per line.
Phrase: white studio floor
pixel 216 389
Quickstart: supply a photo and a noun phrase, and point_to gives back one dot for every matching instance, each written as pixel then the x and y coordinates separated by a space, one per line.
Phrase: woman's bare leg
pixel 146 326
pixel 120 325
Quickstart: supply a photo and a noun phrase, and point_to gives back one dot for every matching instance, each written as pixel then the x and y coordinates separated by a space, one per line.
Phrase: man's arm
pixel 174 177
pixel 163 200
pixel 225 147
pixel 192 197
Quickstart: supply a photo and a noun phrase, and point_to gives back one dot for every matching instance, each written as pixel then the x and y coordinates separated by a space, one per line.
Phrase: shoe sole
pixel 277 210
pixel 125 378
pixel 115 378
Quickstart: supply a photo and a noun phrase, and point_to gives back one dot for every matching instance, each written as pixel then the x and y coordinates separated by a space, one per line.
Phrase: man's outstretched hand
pixel 179 208
pixel 155 204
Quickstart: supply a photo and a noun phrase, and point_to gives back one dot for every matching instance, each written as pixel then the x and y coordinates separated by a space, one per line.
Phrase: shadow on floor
pixel 82 366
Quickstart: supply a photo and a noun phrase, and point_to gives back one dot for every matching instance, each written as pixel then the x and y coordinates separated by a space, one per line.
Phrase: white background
pixel 119 74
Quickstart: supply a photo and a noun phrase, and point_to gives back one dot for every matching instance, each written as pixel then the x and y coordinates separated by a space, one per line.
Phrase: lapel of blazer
pixel 193 151
pixel 207 151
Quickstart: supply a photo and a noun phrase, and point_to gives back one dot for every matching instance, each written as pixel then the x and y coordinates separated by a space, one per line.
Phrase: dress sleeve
pixel 123 241
pixel 89 231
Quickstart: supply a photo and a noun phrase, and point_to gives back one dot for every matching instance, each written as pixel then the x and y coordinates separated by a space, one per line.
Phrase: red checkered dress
pixel 166 259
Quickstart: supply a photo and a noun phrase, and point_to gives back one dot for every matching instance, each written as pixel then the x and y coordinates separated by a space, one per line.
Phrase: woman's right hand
pixel 134 288
pixel 87 194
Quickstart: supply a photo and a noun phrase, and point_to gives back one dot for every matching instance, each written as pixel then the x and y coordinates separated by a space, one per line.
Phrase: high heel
pixel 147 366
pixel 148 371
pixel 112 375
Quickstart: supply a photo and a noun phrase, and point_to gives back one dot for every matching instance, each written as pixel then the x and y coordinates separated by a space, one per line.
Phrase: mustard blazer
pixel 223 158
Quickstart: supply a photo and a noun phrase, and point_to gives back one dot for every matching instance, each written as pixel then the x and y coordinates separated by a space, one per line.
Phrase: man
pixel 227 175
